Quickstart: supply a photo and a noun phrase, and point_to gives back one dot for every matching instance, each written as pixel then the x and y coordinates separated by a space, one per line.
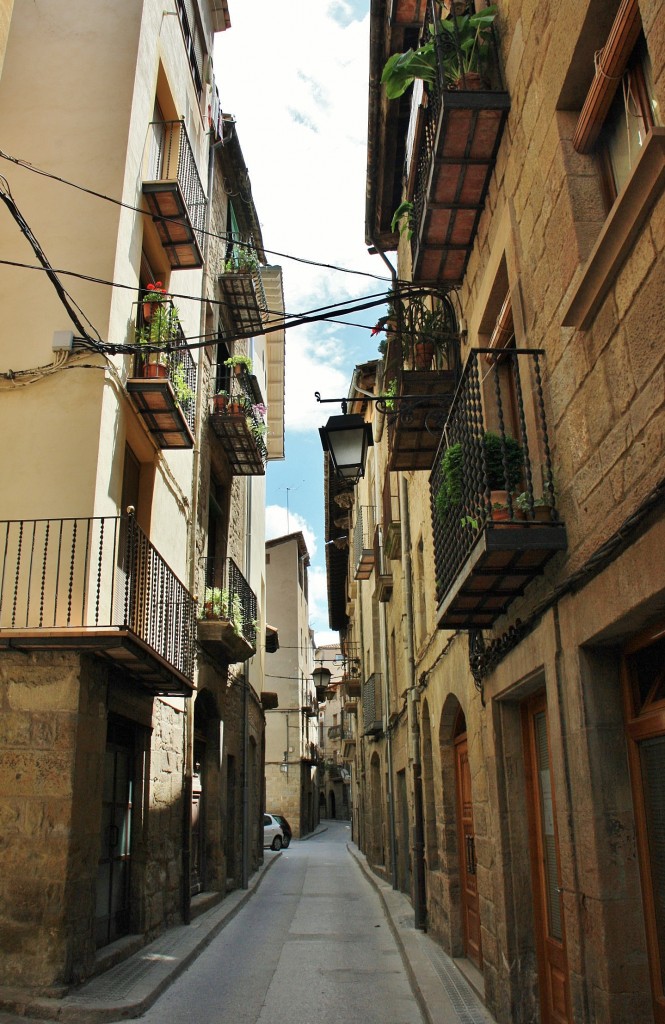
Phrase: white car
pixel 273 835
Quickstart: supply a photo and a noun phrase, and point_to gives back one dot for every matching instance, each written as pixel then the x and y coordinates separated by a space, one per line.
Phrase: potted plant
pixel 451 491
pixel 390 393
pixel 538 509
pixel 239 364
pixel 220 400
pixel 244 260
pixel 156 336
pixel 183 392
pixel 154 294
pixel 463 43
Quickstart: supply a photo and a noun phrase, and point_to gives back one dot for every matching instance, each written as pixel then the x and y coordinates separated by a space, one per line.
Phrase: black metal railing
pixel 494 463
pixel 161 337
pixel 193 44
pixel 172 159
pixel 228 595
pixel 372 698
pixel 237 393
pixel 91 573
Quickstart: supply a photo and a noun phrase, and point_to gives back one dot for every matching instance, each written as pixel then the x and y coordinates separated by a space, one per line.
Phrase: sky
pixel 294 74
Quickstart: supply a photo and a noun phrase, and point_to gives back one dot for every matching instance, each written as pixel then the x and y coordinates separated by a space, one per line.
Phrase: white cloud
pixel 280 522
pixel 318 601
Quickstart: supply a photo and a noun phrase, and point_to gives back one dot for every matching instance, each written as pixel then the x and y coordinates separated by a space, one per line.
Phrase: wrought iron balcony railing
pixel 228 598
pixel 168 410
pixel 90 575
pixel 238 419
pixel 363 541
pixel 494 514
pixel 392 536
pixel 245 306
pixel 460 130
pixel 372 700
pixel 174 194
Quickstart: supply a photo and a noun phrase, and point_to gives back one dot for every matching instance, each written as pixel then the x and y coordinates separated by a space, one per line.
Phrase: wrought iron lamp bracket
pixel 437 407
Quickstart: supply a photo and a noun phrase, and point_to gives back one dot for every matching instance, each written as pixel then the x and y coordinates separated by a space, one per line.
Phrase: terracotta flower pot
pixel 423 353
pixel 155 370
pixel 220 402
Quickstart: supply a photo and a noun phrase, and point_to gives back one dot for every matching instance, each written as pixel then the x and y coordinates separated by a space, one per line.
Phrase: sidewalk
pixel 127 990
pixel 444 994
pixel 132 986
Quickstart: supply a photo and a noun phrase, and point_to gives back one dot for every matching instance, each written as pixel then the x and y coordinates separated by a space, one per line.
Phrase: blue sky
pixel 294 74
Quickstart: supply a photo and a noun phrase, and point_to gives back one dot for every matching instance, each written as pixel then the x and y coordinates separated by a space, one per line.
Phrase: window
pixel 632 114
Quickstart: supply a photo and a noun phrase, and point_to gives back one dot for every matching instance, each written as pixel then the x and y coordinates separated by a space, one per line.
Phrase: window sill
pixel 619 232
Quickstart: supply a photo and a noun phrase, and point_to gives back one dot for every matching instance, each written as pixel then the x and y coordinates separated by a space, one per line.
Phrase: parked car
pixel 286 828
pixel 273 836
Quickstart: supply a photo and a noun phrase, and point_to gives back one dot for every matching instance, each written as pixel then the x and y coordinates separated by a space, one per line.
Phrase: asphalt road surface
pixel 312 946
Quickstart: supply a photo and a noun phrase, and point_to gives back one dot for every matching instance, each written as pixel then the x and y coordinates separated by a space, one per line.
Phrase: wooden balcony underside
pixel 501 564
pixel 167 205
pixel 241 302
pixel 415 428
pixel 242 451
pixel 159 410
pixel 220 640
pixel 466 145
pixel 115 644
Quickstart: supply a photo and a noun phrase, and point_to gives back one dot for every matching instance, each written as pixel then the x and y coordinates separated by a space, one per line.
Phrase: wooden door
pixel 112 909
pixel 545 866
pixel 644 693
pixel 467 854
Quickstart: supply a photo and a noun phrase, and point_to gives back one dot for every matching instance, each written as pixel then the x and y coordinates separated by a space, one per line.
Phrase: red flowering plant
pixel 154 293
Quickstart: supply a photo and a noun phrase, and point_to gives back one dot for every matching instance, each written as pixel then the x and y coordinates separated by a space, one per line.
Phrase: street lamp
pixel 346 438
pixel 321 677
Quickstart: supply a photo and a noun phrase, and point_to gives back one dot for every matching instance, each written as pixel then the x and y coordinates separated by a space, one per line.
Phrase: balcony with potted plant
pixel 363 542
pixel 422 369
pixel 458 112
pixel 242 290
pixel 238 418
pixel 163 381
pixel 494 514
pixel 227 614
pixel 97 585
pixel 174 194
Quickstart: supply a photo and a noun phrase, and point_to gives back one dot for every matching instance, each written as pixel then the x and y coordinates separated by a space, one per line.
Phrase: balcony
pixel 175 195
pixel 244 299
pixel 238 422
pixel 372 699
pixel 383 588
pixel 392 531
pixel 456 140
pixel 351 705
pixel 363 542
pixel 334 732
pixel 422 370
pixel 351 673
pixel 163 381
pixel 227 618
pixel 494 515
pixel 97 585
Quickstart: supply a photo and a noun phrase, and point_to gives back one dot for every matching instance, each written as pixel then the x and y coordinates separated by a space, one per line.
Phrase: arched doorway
pixel 332 804
pixel 429 815
pixel 466 839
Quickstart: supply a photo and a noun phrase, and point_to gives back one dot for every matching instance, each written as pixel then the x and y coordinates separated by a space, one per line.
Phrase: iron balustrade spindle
pixel 230 596
pixel 97 572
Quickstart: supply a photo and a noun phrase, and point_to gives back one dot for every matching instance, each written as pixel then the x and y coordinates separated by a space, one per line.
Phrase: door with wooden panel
pixel 545 866
pixel 644 692
pixel 467 853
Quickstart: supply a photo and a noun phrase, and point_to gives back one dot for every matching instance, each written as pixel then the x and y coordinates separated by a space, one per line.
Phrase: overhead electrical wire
pixel 223 236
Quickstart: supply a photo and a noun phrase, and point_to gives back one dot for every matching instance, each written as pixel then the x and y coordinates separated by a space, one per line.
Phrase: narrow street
pixel 312 945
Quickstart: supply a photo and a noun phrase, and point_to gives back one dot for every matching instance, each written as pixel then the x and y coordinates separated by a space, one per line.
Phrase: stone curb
pixel 428 988
pixel 155 970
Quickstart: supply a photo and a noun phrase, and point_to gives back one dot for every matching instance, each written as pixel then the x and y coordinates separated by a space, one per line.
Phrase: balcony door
pixel 467 849
pixel 644 688
pixel 545 866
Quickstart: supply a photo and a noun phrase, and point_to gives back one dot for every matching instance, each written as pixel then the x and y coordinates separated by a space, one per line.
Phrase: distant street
pixel 312 946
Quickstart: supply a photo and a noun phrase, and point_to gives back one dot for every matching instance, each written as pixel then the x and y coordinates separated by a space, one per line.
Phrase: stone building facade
pixel 510 779
pixel 131 722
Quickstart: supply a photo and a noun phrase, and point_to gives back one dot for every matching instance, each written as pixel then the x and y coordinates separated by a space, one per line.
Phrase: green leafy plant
pixel 500 477
pixel 218 604
pixel 390 393
pixel 449 493
pixel 183 392
pixel 243 259
pixel 464 47
pixel 162 329
pixel 403 218
pixel 244 362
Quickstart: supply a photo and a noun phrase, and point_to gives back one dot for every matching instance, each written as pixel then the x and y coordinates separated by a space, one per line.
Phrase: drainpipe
pixel 245 709
pixel 412 709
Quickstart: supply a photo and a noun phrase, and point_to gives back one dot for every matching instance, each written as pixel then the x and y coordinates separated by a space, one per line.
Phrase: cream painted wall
pixel 5 17
pixel 80 110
